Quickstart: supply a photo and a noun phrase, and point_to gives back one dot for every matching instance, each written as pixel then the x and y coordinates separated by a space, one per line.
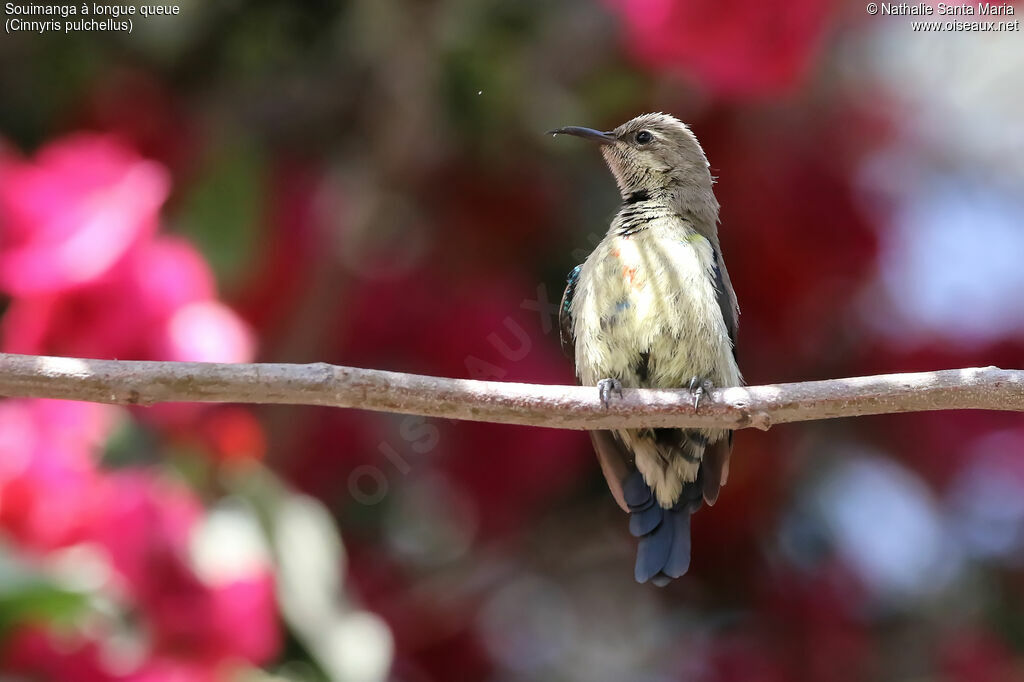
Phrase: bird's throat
pixel 639 210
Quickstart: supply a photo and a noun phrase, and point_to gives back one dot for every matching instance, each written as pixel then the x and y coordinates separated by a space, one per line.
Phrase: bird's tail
pixel 663 552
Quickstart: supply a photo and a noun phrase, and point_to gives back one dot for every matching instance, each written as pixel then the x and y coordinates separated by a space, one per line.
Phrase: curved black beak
pixel 588 133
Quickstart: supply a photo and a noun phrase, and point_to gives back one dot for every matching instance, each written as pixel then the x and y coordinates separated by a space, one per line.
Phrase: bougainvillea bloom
pixel 47 473
pixel 144 526
pixel 72 213
pixel 733 48
pixel 156 304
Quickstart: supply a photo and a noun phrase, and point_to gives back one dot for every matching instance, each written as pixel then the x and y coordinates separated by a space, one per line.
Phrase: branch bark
pixel 564 407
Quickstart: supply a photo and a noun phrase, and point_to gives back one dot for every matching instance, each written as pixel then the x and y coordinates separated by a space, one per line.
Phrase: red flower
pixel 736 47
pixel 231 434
pixel 145 112
pixel 476 329
pixel 36 654
pixel 970 653
pixel 73 213
pixel 797 258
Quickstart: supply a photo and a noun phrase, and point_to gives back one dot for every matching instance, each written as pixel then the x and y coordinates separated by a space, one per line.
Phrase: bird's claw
pixel 698 387
pixel 605 388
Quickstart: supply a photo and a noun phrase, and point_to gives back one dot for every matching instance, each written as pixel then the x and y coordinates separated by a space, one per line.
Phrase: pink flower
pixel 89 277
pixel 46 468
pixel 72 214
pixel 144 524
pixel 156 304
pixel 735 47
pixel 171 670
pixel 244 623
pixel 195 630
pixel 139 519
pixel 206 331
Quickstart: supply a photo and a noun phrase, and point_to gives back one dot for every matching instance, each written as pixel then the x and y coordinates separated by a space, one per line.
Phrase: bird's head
pixel 649 153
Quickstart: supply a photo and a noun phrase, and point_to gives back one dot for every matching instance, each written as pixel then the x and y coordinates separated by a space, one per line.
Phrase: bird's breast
pixel 648 299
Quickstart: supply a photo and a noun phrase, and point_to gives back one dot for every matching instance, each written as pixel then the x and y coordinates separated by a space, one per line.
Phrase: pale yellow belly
pixel 651 303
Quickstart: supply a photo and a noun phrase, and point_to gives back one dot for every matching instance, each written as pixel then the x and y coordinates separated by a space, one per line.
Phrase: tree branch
pixel 564 407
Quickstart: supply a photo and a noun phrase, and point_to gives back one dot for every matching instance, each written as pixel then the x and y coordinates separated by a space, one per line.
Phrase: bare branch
pixel 564 407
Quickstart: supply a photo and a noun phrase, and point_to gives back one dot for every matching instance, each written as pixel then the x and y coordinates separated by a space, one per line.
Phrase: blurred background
pixel 367 183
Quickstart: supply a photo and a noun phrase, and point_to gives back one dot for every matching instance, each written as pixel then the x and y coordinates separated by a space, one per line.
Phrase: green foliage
pixel 222 212
pixel 26 596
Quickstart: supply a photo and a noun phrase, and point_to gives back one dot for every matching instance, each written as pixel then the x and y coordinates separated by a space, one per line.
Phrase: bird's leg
pixel 606 387
pixel 698 387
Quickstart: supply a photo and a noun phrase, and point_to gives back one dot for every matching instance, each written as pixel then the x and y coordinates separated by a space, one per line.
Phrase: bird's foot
pixel 606 387
pixel 698 387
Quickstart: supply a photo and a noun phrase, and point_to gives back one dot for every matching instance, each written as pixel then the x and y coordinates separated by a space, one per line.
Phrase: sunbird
pixel 653 307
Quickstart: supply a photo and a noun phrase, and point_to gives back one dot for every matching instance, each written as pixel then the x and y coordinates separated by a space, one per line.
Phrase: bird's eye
pixel 643 137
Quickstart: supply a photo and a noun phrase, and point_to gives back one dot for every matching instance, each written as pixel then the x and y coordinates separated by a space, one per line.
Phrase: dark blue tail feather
pixel 663 552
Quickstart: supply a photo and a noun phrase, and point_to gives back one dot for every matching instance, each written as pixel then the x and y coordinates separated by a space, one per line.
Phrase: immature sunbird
pixel 652 306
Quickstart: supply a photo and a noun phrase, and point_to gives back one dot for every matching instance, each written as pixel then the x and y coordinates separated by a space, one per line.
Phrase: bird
pixel 653 307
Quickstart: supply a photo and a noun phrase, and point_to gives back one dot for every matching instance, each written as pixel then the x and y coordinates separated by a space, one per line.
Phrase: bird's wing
pixel 716 457
pixel 616 463
pixel 612 455
pixel 565 321
pixel 726 299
